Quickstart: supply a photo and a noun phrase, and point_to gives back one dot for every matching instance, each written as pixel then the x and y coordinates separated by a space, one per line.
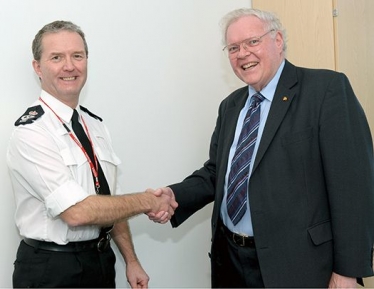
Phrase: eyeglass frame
pixel 245 45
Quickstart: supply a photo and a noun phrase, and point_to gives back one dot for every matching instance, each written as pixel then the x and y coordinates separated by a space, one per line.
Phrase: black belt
pixel 240 240
pixel 100 244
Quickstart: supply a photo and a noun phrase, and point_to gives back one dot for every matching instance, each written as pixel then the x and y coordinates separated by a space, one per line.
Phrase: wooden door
pixel 354 34
pixel 309 27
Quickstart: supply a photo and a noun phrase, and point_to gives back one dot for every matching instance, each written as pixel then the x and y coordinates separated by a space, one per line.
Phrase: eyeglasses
pixel 233 49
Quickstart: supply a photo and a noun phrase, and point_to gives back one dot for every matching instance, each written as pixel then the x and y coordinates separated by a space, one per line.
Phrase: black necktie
pixel 82 137
pixel 104 188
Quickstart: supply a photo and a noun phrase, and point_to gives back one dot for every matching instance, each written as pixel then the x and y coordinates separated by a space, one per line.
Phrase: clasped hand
pixel 165 205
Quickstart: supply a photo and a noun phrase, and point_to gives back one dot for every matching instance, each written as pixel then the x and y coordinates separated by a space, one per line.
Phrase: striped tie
pixel 238 177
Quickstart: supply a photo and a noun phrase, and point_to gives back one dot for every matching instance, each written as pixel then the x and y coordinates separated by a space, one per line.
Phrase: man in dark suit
pixel 308 210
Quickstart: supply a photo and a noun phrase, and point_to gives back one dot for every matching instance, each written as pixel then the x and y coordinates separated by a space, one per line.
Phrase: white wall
pixel 156 75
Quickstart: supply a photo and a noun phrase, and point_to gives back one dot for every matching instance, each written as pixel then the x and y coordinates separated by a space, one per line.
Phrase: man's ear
pixel 279 39
pixel 36 66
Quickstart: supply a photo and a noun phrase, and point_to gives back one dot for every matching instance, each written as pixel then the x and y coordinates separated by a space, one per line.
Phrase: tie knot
pixel 256 99
pixel 75 117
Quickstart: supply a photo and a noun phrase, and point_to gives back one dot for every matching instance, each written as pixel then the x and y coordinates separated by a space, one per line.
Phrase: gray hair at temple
pixel 269 19
pixel 55 27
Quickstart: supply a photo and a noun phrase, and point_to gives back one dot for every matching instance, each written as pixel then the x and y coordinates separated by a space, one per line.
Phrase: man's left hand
pixel 339 281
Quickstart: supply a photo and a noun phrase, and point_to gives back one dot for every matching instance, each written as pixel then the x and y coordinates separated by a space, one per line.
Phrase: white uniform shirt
pixel 50 173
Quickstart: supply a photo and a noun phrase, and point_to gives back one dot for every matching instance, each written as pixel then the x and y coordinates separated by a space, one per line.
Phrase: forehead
pixel 62 41
pixel 244 27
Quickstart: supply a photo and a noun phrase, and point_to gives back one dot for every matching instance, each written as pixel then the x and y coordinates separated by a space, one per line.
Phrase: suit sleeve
pixel 347 155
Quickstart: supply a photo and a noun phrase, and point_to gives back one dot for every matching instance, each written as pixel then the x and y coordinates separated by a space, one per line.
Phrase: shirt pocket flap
pixel 321 233
pixel 108 156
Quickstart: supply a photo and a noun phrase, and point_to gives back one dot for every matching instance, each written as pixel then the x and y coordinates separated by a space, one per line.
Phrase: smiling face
pixel 62 67
pixel 258 65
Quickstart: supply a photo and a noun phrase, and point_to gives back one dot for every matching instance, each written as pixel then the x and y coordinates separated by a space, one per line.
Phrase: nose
pixel 69 64
pixel 243 51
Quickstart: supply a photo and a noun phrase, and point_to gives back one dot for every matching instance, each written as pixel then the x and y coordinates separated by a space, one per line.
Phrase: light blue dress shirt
pixel 244 226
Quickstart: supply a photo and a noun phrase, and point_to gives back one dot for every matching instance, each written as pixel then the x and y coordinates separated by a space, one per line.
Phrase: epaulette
pixel 31 114
pixel 90 113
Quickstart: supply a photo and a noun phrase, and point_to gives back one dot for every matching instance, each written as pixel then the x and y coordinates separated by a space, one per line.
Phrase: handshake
pixel 163 205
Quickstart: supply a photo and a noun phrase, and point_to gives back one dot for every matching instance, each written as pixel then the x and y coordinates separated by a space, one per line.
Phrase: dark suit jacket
pixel 311 192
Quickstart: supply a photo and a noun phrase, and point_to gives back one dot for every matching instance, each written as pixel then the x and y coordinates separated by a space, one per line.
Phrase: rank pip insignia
pixel 31 114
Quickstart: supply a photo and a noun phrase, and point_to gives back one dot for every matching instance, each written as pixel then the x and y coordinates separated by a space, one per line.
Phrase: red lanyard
pixel 95 168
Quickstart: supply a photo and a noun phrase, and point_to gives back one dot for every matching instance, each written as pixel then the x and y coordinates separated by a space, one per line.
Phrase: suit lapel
pixel 232 116
pixel 284 94
pixel 229 122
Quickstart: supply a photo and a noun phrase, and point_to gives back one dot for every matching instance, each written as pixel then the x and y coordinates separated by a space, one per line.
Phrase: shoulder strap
pixel 90 113
pixel 31 114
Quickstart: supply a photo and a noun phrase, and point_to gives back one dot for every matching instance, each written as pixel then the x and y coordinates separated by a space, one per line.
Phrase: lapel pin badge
pixel 285 98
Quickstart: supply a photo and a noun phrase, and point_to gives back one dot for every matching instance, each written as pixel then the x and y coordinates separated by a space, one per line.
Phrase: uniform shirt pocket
pixel 73 156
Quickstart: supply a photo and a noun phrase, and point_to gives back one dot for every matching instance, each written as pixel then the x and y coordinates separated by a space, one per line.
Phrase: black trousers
pixel 36 268
pixel 234 266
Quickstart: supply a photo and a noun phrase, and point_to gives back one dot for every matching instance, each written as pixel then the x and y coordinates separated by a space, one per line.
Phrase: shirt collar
pixel 64 111
pixel 269 90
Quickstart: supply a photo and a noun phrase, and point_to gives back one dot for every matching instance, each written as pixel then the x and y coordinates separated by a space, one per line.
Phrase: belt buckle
pixel 103 243
pixel 239 238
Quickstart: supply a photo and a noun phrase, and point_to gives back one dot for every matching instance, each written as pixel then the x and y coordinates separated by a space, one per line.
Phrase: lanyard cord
pixel 95 168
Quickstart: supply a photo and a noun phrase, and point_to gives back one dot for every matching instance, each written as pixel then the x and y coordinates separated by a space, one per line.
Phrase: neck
pixel 70 100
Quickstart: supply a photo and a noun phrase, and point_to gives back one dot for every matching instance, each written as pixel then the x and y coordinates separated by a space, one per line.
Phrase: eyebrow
pixel 74 52
pixel 236 43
